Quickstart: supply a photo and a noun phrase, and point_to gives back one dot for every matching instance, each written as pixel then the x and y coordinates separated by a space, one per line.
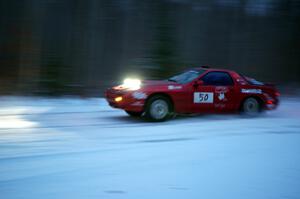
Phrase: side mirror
pixel 198 83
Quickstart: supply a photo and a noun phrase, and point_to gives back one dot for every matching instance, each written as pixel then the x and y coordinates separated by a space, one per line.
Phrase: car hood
pixel 158 83
pixel 152 84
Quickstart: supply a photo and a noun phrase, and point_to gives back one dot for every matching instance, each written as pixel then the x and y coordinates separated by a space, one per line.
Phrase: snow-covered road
pixel 81 148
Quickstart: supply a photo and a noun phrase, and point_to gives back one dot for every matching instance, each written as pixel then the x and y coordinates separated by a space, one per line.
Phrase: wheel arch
pixel 258 98
pixel 161 94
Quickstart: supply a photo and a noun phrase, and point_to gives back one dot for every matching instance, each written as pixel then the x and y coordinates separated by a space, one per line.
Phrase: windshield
pixel 186 77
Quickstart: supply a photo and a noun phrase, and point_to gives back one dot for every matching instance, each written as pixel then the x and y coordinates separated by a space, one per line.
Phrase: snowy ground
pixel 74 148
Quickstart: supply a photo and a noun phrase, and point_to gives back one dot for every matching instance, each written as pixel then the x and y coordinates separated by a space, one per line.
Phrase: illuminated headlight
pixel 132 84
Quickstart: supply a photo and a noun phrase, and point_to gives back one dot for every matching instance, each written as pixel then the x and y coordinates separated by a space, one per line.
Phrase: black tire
pixel 134 114
pixel 158 108
pixel 251 106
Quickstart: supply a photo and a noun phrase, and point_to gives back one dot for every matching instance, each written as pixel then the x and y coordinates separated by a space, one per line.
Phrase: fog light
pixel 118 99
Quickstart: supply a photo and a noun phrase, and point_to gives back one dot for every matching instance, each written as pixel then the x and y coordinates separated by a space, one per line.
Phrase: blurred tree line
pixel 81 47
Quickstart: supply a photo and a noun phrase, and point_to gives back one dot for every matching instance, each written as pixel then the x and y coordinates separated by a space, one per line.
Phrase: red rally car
pixel 198 90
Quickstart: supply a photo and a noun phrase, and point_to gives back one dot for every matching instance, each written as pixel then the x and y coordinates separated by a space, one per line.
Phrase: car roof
pixel 205 68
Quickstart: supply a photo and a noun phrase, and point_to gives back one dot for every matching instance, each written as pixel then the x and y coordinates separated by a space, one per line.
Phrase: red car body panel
pixel 222 98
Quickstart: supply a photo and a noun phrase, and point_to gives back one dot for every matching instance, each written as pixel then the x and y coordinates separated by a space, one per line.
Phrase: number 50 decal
pixel 203 97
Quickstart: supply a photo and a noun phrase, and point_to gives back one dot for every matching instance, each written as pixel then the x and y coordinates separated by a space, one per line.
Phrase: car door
pixel 215 94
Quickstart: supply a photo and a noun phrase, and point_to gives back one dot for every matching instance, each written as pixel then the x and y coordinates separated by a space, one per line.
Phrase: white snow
pixel 82 148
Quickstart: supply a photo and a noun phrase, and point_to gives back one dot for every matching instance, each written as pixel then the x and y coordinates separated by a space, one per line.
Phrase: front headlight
pixel 132 84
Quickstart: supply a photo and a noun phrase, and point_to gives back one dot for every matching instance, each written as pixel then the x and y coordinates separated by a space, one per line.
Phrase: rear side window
pixel 217 79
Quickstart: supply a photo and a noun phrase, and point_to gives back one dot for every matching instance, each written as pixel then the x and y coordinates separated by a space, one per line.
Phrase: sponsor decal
pixel 220 92
pixel 172 87
pixel 221 96
pixel 139 95
pixel 203 97
pixel 253 91
pixel 221 106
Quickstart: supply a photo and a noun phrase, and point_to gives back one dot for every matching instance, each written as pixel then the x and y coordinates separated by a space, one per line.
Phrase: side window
pixel 217 79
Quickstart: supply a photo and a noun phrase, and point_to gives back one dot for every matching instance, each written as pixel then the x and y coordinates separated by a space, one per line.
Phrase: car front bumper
pixel 128 102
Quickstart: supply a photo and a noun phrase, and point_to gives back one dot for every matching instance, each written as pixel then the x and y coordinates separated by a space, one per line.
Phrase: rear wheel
pixel 134 114
pixel 251 106
pixel 158 108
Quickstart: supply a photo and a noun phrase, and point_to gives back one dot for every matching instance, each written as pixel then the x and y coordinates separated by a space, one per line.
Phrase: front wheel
pixel 158 108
